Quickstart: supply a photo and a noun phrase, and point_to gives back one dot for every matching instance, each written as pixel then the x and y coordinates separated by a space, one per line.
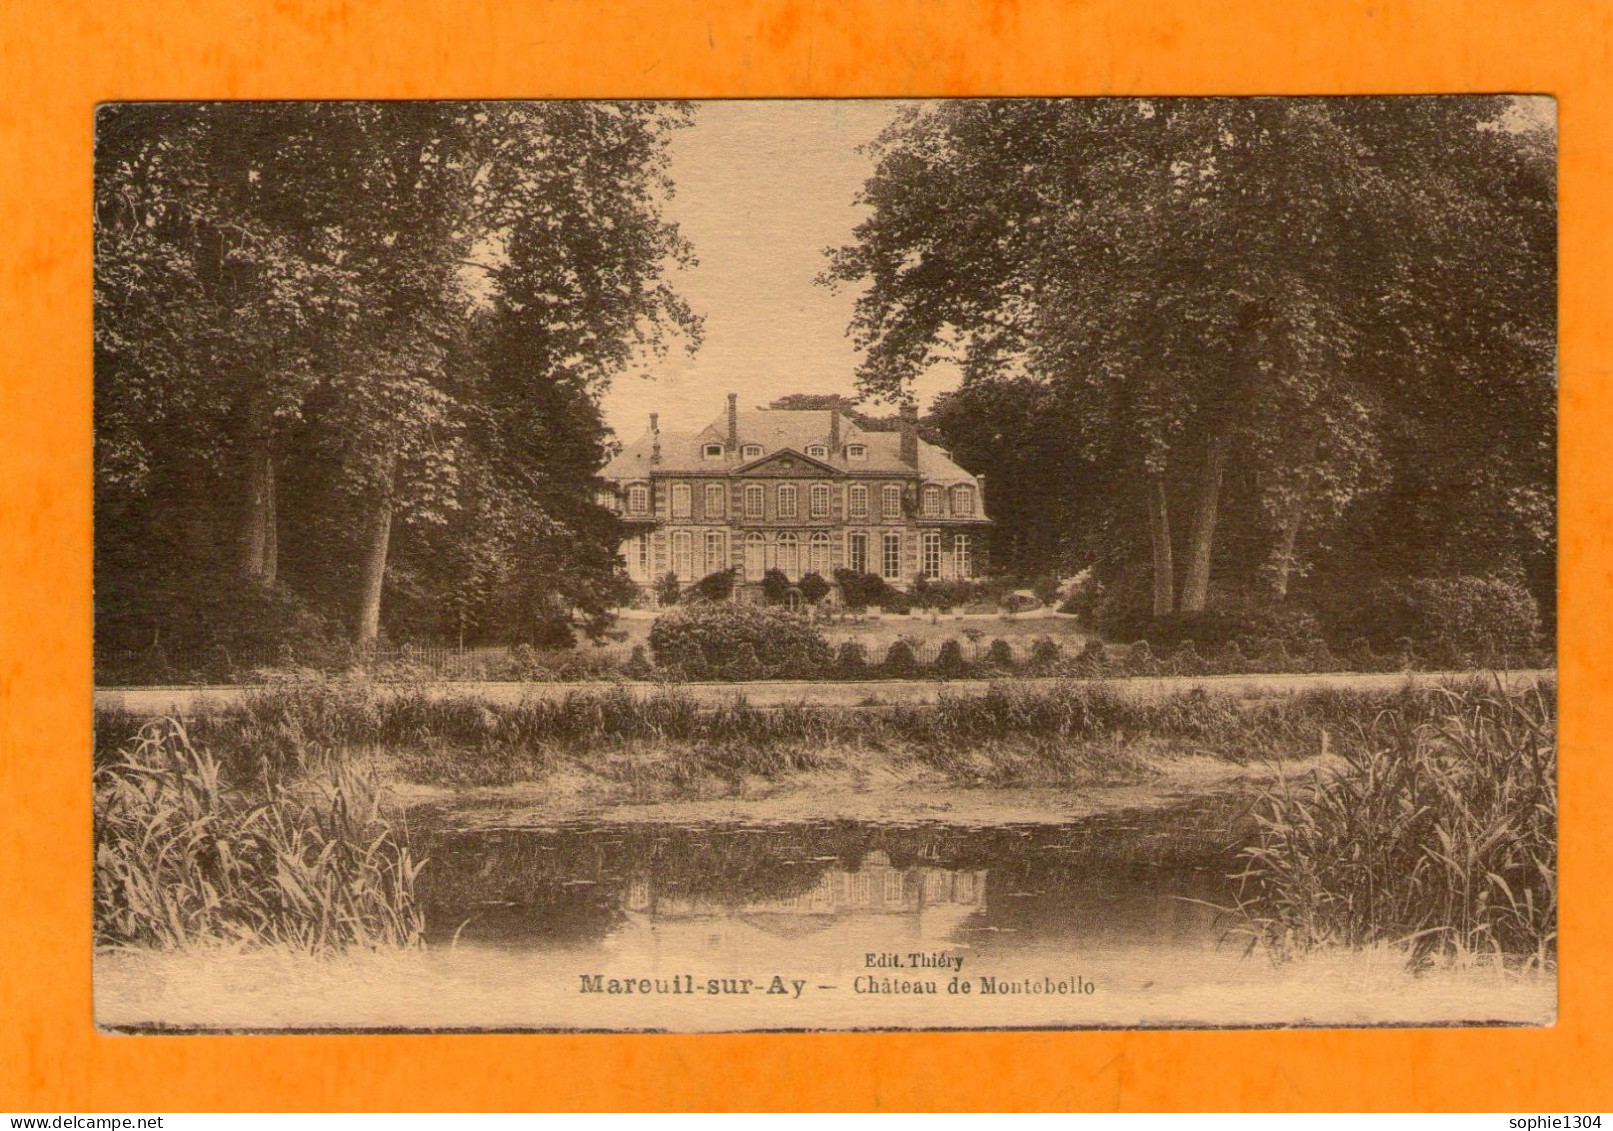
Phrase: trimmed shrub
pixel 718 586
pixel 1000 655
pixel 775 587
pixel 1045 654
pixel 1093 657
pixel 949 660
pixel 900 660
pixel 852 659
pixel 709 638
pixel 860 590
pixel 638 664
pixel 742 663
pixel 814 588
pixel 1140 660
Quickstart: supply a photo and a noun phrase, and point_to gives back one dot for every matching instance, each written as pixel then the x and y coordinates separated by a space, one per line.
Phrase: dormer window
pixel 856 451
pixel 713 451
pixel 751 451
pixel 818 451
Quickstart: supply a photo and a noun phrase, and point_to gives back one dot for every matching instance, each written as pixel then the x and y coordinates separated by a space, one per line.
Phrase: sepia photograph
pixel 825 564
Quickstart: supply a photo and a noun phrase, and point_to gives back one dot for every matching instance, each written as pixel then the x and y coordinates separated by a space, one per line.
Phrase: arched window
pixel 789 556
pixel 857 501
pixel 963 501
pixel 857 552
pixel 930 562
pixel 753 500
pixel 755 556
pixel 891 557
pixel 638 499
pixel 713 451
pixel 856 451
pixel 891 507
pixel 716 500
pixel 683 555
pixel 820 500
pixel 682 506
pixel 963 556
pixel 818 451
pixel 751 451
pixel 786 500
pixel 716 551
pixel 932 502
pixel 819 555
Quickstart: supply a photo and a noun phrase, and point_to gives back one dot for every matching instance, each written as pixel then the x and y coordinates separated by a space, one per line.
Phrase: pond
pixel 1109 920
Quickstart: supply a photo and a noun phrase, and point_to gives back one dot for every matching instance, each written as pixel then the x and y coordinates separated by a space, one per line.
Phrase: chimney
pixel 733 422
pixel 655 437
pixel 910 435
pixel 834 431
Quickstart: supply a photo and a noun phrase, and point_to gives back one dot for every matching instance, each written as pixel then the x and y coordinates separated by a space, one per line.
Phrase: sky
pixel 763 188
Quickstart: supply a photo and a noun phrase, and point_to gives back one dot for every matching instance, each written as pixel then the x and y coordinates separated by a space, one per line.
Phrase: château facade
pixel 798 490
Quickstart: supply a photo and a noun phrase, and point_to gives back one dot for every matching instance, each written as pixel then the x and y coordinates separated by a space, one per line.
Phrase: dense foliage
pixel 1257 349
pixel 738 642
pixel 382 326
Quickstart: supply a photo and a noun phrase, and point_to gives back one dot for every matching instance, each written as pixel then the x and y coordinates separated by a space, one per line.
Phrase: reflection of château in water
pixel 932 899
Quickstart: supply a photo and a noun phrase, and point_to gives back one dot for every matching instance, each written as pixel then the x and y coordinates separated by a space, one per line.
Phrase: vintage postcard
pixel 825 564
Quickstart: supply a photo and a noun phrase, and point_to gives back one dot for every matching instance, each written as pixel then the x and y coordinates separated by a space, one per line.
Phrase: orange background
pixel 57 60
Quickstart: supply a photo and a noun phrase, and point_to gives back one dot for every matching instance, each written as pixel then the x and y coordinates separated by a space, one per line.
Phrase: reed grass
pixel 1439 835
pixel 183 857
pixel 1009 732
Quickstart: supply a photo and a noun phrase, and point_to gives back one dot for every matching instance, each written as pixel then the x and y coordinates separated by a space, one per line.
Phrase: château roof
pixel 776 430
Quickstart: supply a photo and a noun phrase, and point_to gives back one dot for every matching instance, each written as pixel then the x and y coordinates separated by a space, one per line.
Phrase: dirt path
pixel 872 693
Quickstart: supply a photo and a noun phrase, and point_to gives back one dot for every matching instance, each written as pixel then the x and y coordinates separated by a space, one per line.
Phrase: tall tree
pixel 1209 280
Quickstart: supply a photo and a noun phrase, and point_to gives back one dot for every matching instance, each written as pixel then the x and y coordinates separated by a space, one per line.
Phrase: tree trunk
pixel 1159 530
pixel 1282 557
pixel 378 534
pixel 259 545
pixel 1196 586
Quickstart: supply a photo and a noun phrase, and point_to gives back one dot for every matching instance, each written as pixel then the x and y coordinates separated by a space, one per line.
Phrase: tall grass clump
pixel 183 857
pixel 1439 835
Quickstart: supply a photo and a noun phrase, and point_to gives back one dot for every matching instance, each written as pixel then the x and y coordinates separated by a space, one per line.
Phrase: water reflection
pixel 1114 881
